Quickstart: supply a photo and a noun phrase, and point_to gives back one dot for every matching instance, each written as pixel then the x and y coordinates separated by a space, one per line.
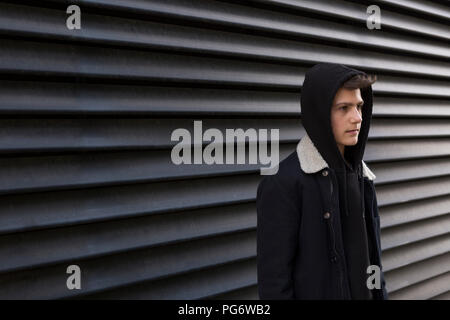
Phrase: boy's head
pixel 347 109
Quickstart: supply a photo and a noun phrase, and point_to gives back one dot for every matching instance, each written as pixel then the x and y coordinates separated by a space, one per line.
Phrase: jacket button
pixel 326 215
pixel 333 259
pixel 325 173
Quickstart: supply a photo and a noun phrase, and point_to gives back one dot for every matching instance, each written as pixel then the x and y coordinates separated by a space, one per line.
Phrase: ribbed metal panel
pixel 87 115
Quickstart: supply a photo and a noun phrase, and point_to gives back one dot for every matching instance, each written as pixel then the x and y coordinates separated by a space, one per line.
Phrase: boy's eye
pixel 345 107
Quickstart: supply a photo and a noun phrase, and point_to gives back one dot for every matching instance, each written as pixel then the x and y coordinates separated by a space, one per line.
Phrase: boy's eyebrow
pixel 359 103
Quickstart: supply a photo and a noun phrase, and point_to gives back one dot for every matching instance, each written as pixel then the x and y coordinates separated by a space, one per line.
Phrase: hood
pixel 318 91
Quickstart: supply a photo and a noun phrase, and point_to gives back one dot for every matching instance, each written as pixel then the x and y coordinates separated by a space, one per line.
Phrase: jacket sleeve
pixel 277 240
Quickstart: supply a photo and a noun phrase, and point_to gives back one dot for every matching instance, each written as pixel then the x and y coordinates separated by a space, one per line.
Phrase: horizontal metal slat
pixel 357 12
pixel 105 62
pixel 246 293
pixel 391 172
pixel 424 8
pixel 128 268
pixel 423 290
pixel 415 252
pixel 407 149
pixel 127 32
pixel 415 231
pixel 408 128
pixel 63 208
pixel 414 211
pixel 40 135
pixel 17 251
pixel 443 296
pixel 404 107
pixel 44 173
pixel 409 191
pixel 82 98
pixel 194 285
pixel 49 59
pixel 412 87
pixel 414 273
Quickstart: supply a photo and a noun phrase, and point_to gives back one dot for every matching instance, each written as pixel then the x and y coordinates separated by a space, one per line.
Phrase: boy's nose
pixel 356 116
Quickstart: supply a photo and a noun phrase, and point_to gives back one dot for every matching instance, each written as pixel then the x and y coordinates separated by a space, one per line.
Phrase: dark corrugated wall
pixel 87 115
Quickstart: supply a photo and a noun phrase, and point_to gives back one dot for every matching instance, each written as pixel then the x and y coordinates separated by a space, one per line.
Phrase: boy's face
pixel 346 114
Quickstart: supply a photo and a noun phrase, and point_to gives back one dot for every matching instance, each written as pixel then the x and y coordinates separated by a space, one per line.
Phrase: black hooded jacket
pixel 354 233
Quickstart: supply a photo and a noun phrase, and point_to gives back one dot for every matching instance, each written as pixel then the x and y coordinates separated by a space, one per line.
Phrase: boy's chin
pixel 350 143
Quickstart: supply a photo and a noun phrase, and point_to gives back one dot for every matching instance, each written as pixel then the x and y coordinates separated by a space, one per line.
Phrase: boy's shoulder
pixel 288 171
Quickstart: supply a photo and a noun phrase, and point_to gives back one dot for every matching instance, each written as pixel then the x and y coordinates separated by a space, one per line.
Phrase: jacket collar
pixel 311 161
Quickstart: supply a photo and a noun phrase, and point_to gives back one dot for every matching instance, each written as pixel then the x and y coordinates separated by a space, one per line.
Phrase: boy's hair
pixel 360 81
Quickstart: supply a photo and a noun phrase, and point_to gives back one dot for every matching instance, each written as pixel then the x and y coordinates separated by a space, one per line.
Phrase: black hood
pixel 319 89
